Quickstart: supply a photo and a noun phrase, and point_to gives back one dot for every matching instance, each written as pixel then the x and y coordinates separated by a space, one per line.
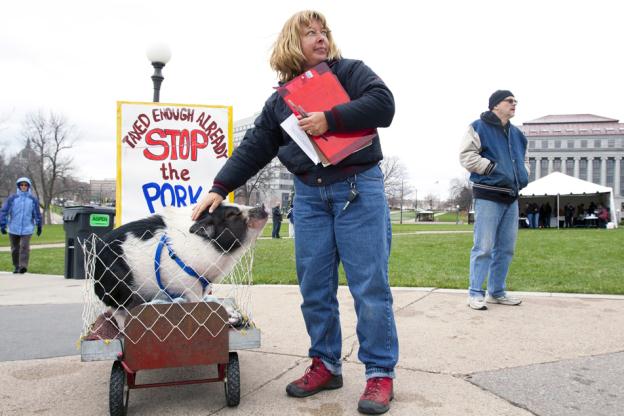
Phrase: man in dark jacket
pixel 494 151
pixel 568 212
pixel 21 214
pixel 277 221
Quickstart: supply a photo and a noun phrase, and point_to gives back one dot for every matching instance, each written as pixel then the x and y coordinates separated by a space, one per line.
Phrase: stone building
pixel 585 146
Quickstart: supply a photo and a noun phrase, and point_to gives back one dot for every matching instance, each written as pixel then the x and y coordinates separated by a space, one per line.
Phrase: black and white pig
pixel 170 254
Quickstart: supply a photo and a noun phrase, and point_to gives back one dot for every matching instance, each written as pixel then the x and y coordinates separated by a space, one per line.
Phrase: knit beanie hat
pixel 497 97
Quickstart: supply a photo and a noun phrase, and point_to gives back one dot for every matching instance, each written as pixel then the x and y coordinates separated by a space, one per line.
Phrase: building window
pixel 570 144
pixel 597 143
pixel 583 169
pixel 583 144
pixel 532 165
pixel 543 167
pixel 611 142
pixel 531 144
pixel 557 144
pixel 610 172
pixel 557 165
pixel 544 144
pixel 596 170
pixel 569 167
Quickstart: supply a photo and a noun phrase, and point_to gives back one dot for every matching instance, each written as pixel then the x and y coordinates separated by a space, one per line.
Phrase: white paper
pixel 291 126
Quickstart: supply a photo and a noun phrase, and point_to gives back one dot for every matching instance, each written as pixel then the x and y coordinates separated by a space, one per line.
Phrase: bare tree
pixel 257 185
pixel 15 167
pixel 431 201
pixel 47 139
pixel 461 193
pixel 69 188
pixel 6 181
pixel 4 118
pixel 395 178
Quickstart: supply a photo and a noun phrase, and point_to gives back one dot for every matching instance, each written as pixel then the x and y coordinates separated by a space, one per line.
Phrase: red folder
pixel 319 90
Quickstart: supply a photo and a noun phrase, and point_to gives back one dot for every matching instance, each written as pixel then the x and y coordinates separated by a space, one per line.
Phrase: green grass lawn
pixel 52 233
pixel 429 226
pixel 43 261
pixel 451 217
pixel 576 261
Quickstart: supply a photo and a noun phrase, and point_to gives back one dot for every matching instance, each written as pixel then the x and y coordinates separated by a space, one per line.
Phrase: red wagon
pixel 170 335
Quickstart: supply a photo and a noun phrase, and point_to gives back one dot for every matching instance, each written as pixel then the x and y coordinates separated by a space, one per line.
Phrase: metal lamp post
pixel 401 212
pixel 158 54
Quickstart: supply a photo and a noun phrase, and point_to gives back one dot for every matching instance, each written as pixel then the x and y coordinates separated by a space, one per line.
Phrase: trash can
pixel 470 217
pixel 79 223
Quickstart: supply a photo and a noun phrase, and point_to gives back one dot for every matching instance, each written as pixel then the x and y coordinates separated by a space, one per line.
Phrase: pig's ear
pixel 203 227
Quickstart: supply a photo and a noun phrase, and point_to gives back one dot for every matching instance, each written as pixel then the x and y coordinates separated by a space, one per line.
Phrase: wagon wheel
pixel 118 391
pixel 232 381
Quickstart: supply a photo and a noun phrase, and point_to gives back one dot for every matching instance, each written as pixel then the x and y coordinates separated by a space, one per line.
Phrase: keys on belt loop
pixel 353 194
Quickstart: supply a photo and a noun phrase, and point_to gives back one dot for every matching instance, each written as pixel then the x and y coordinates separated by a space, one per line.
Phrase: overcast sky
pixel 441 60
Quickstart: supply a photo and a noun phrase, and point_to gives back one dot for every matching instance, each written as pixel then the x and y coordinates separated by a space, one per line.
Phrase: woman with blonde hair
pixel 340 210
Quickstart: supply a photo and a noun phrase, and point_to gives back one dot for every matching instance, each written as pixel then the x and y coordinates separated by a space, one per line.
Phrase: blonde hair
pixel 287 58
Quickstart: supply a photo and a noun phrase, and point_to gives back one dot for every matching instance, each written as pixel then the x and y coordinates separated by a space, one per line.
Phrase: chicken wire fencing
pixel 186 286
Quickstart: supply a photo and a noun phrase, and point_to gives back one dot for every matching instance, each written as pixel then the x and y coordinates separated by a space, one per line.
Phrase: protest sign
pixel 168 155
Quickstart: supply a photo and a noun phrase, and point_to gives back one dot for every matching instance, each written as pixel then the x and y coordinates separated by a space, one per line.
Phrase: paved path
pixel 553 355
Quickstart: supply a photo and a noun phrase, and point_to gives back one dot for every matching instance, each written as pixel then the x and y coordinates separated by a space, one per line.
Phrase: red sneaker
pixel 377 396
pixel 316 378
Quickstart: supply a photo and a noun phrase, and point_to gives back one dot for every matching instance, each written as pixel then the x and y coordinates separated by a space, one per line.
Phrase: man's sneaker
pixel 316 378
pixel 477 303
pixel 504 300
pixel 377 396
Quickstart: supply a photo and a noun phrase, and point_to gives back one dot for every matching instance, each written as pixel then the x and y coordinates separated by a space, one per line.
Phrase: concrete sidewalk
pixel 553 355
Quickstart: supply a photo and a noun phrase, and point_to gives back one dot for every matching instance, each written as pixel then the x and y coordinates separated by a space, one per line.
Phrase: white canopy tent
pixel 561 186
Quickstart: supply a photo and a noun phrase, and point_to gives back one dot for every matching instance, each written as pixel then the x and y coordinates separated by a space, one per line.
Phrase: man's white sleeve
pixel 470 153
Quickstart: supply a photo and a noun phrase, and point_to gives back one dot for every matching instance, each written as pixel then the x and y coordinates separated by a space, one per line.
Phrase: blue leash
pixel 164 242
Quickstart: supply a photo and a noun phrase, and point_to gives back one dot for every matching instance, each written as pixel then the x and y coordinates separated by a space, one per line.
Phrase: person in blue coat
pixel 20 213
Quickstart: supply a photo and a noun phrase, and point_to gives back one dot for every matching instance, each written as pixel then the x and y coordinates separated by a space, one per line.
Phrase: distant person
pixel 21 213
pixel 291 219
pixel 494 151
pixel 546 215
pixel 533 215
pixel 545 212
pixel 603 216
pixel 277 221
pixel 579 217
pixel 568 215
pixel 342 214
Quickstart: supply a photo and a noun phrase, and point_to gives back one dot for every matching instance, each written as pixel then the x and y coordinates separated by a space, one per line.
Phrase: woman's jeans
pixel 359 237
pixel 495 232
